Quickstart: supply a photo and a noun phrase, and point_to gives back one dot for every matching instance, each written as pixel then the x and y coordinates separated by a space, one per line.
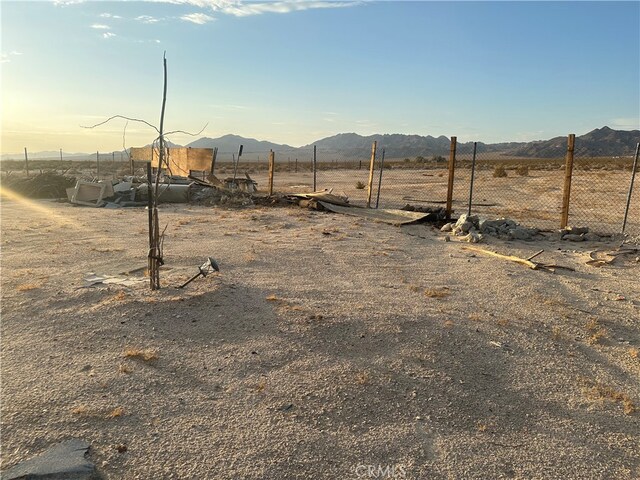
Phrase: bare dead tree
pixel 156 239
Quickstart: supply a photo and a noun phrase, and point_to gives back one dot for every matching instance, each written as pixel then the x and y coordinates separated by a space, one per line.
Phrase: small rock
pixel 573 237
pixel 447 227
pixel 576 230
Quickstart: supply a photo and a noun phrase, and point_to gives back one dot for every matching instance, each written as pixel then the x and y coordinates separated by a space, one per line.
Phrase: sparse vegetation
pixel 499 171
pixel 147 354
pixel 116 412
pixel 436 292
pixel 362 378
pixel 522 170
pixel 596 332
pixel 599 392
pixel 360 185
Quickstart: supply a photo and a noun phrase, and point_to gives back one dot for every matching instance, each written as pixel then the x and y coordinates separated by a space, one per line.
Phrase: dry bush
pixel 499 172
pixel 25 287
pixel 522 170
pixel 362 378
pixel 124 368
pixel 273 298
pixel 556 333
pixel 116 412
pixel 80 410
pixel 599 392
pixel 360 185
pixel 634 353
pixel 147 354
pixel 436 292
pixel 597 333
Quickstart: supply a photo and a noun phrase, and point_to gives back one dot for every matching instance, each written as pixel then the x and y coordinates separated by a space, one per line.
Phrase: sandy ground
pixel 329 347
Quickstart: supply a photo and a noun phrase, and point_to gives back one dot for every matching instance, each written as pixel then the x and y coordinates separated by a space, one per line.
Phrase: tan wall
pixel 181 159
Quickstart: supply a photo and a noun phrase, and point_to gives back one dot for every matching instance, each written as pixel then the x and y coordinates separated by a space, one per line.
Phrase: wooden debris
pixel 523 261
pixel 598 261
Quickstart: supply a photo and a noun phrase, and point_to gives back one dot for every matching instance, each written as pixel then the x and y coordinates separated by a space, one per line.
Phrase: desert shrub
pixel 522 170
pixel 499 172
pixel 360 185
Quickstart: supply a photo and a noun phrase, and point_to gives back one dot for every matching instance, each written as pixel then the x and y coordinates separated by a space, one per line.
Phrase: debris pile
pixel 470 228
pixel 578 234
pixel 43 185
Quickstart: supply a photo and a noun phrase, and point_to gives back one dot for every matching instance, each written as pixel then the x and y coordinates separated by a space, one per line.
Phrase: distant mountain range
pixel 600 142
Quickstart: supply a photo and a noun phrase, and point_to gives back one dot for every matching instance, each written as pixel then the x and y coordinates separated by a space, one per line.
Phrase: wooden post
pixel 60 155
pixel 371 167
pixel 26 161
pixel 98 164
pixel 568 172
pixel 452 169
pixel 272 165
pixel 315 168
pixel 296 165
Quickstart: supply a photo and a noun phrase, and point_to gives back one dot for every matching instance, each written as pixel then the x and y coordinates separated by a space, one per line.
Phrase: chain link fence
pixel 527 190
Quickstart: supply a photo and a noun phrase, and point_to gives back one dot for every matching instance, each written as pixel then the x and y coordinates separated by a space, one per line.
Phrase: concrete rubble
pixel 472 229
pixel 133 191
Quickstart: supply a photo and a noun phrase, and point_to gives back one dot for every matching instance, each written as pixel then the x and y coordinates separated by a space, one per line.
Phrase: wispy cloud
pixel 109 15
pixel 6 57
pixel 629 122
pixel 108 35
pixel 197 18
pixel 99 26
pixel 147 19
pixel 239 8
pixel 64 3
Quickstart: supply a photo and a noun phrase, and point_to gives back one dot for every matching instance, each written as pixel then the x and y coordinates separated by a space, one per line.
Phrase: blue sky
pixel 297 71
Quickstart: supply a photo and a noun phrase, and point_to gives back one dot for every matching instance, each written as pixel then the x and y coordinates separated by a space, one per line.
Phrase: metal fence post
pixel 315 169
pixel 371 168
pixel 380 179
pixel 26 161
pixel 473 171
pixel 568 172
pixel 452 168
pixel 98 164
pixel 633 177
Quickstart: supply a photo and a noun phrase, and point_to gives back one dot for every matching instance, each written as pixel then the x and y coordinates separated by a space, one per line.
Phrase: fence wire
pixel 527 190
pixel 599 188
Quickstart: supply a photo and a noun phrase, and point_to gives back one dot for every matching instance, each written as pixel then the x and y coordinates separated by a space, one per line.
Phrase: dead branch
pixel 522 261
pixel 125 118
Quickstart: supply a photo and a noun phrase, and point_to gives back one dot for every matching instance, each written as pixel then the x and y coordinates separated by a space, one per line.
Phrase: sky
pixel 297 71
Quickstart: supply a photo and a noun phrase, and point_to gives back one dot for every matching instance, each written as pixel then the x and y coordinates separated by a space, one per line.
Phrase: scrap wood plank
pixel 522 261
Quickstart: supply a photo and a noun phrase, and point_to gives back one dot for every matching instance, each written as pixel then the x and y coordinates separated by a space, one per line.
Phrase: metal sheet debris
pixel 390 216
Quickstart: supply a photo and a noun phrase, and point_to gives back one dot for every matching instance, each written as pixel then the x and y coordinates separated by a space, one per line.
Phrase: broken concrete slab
pixel 64 461
pixel 122 187
pixel 88 193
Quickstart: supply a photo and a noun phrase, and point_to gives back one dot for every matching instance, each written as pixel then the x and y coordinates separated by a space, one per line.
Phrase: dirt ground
pixel 328 347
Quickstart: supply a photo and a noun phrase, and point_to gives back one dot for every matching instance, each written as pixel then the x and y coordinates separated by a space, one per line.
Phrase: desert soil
pixel 328 347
